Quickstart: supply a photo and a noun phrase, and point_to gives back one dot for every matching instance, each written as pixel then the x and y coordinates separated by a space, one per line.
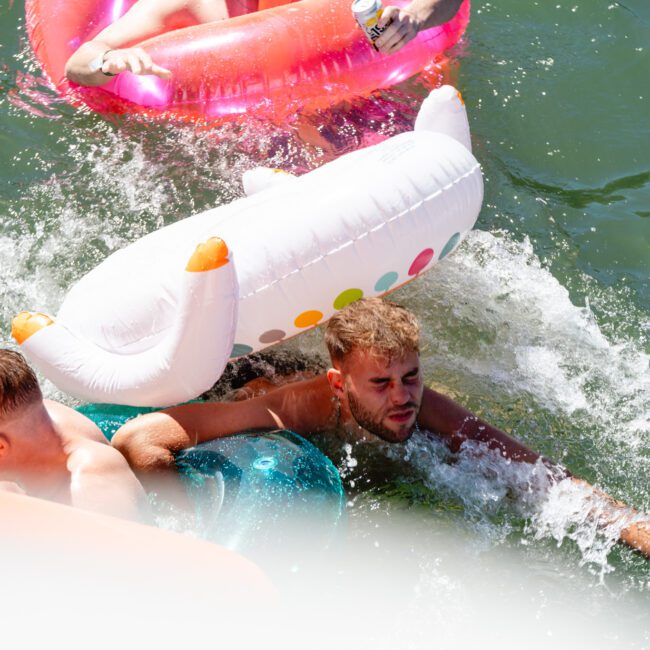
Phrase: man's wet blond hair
pixel 18 382
pixel 378 326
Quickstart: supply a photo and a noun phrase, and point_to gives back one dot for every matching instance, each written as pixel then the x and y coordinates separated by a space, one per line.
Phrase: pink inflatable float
pixel 306 54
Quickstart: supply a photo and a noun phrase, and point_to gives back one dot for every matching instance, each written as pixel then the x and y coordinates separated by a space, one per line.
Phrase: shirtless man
pixel 50 451
pixel 375 386
pixel 108 53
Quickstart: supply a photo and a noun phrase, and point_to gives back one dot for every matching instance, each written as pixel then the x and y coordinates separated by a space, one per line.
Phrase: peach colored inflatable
pixel 304 54
pixel 72 546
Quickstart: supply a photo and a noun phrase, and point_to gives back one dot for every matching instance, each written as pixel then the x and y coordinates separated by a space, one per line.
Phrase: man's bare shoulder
pixel 316 386
pixel 69 422
pixel 90 456
pixel 302 406
pixel 305 406
pixel 102 481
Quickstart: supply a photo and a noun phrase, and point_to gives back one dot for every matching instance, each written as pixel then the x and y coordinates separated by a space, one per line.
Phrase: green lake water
pixel 540 321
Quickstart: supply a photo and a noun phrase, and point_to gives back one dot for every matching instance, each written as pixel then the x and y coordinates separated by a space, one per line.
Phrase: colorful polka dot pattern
pixel 239 349
pixel 421 261
pixel 312 317
pixel 450 245
pixel 347 297
pixel 272 336
pixel 386 281
pixel 308 318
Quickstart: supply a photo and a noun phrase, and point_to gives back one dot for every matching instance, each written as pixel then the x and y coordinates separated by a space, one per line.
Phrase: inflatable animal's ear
pixel 262 178
pixel 443 111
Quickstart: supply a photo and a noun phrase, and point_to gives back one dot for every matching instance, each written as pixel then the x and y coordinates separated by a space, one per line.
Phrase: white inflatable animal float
pixel 157 321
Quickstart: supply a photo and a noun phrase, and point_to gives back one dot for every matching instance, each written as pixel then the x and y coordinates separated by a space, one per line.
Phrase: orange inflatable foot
pixel 208 256
pixel 27 323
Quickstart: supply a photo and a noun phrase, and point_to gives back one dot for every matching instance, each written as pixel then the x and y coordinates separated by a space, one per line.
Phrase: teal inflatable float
pixel 253 488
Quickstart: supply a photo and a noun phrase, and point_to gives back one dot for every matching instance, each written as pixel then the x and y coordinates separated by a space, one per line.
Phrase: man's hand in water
pixel 134 59
pixel 635 530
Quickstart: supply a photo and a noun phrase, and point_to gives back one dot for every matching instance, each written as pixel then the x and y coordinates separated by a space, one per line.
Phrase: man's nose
pixel 399 393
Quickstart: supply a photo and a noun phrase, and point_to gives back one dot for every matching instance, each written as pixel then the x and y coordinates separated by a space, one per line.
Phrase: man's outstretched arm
pixel 637 536
pixel 454 424
pixel 151 442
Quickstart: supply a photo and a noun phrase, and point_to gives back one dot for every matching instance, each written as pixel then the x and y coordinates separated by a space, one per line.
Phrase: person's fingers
pixel 395 38
pixel 136 60
pixel 114 66
pixel 392 34
pixel 404 37
pixel 133 63
pixel 387 15
pixel 388 36
pixel 118 61
pixel 398 46
pixel 145 60
pixel 149 67
pixel 110 63
pixel 161 72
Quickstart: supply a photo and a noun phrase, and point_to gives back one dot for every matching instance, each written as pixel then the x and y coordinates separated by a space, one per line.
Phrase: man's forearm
pixel 150 442
pixel 637 536
pixel 455 425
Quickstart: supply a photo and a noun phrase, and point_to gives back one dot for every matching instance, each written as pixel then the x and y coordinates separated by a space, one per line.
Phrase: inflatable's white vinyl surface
pixel 156 322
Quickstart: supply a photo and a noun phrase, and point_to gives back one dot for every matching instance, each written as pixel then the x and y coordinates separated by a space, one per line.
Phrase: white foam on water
pixel 571 510
pixel 495 316
pixel 491 312
pixel 498 494
pixel 537 340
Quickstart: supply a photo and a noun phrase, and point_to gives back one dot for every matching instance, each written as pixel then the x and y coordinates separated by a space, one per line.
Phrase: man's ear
pixel 5 446
pixel 335 379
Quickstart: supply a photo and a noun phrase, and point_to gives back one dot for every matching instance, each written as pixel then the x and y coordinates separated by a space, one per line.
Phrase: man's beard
pixel 364 418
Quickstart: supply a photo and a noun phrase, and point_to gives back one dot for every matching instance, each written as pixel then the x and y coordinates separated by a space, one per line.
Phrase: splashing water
pixel 503 335
pixel 512 327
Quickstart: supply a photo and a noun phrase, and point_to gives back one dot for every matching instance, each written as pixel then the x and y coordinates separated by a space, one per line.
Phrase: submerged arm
pixel 637 536
pixel 454 425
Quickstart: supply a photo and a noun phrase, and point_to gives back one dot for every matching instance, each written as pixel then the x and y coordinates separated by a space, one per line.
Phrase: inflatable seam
pixel 374 229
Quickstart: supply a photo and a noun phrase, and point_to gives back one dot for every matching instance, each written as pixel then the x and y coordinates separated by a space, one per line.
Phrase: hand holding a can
pixel 399 27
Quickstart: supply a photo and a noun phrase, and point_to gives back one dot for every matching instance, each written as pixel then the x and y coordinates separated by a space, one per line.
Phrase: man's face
pixel 383 396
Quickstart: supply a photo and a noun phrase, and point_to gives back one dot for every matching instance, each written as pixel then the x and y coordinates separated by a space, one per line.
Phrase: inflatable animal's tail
pixel 82 368
pixel 443 111
pixel 261 178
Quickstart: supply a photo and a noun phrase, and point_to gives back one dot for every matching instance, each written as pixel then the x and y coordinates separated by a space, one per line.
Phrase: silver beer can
pixel 367 14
